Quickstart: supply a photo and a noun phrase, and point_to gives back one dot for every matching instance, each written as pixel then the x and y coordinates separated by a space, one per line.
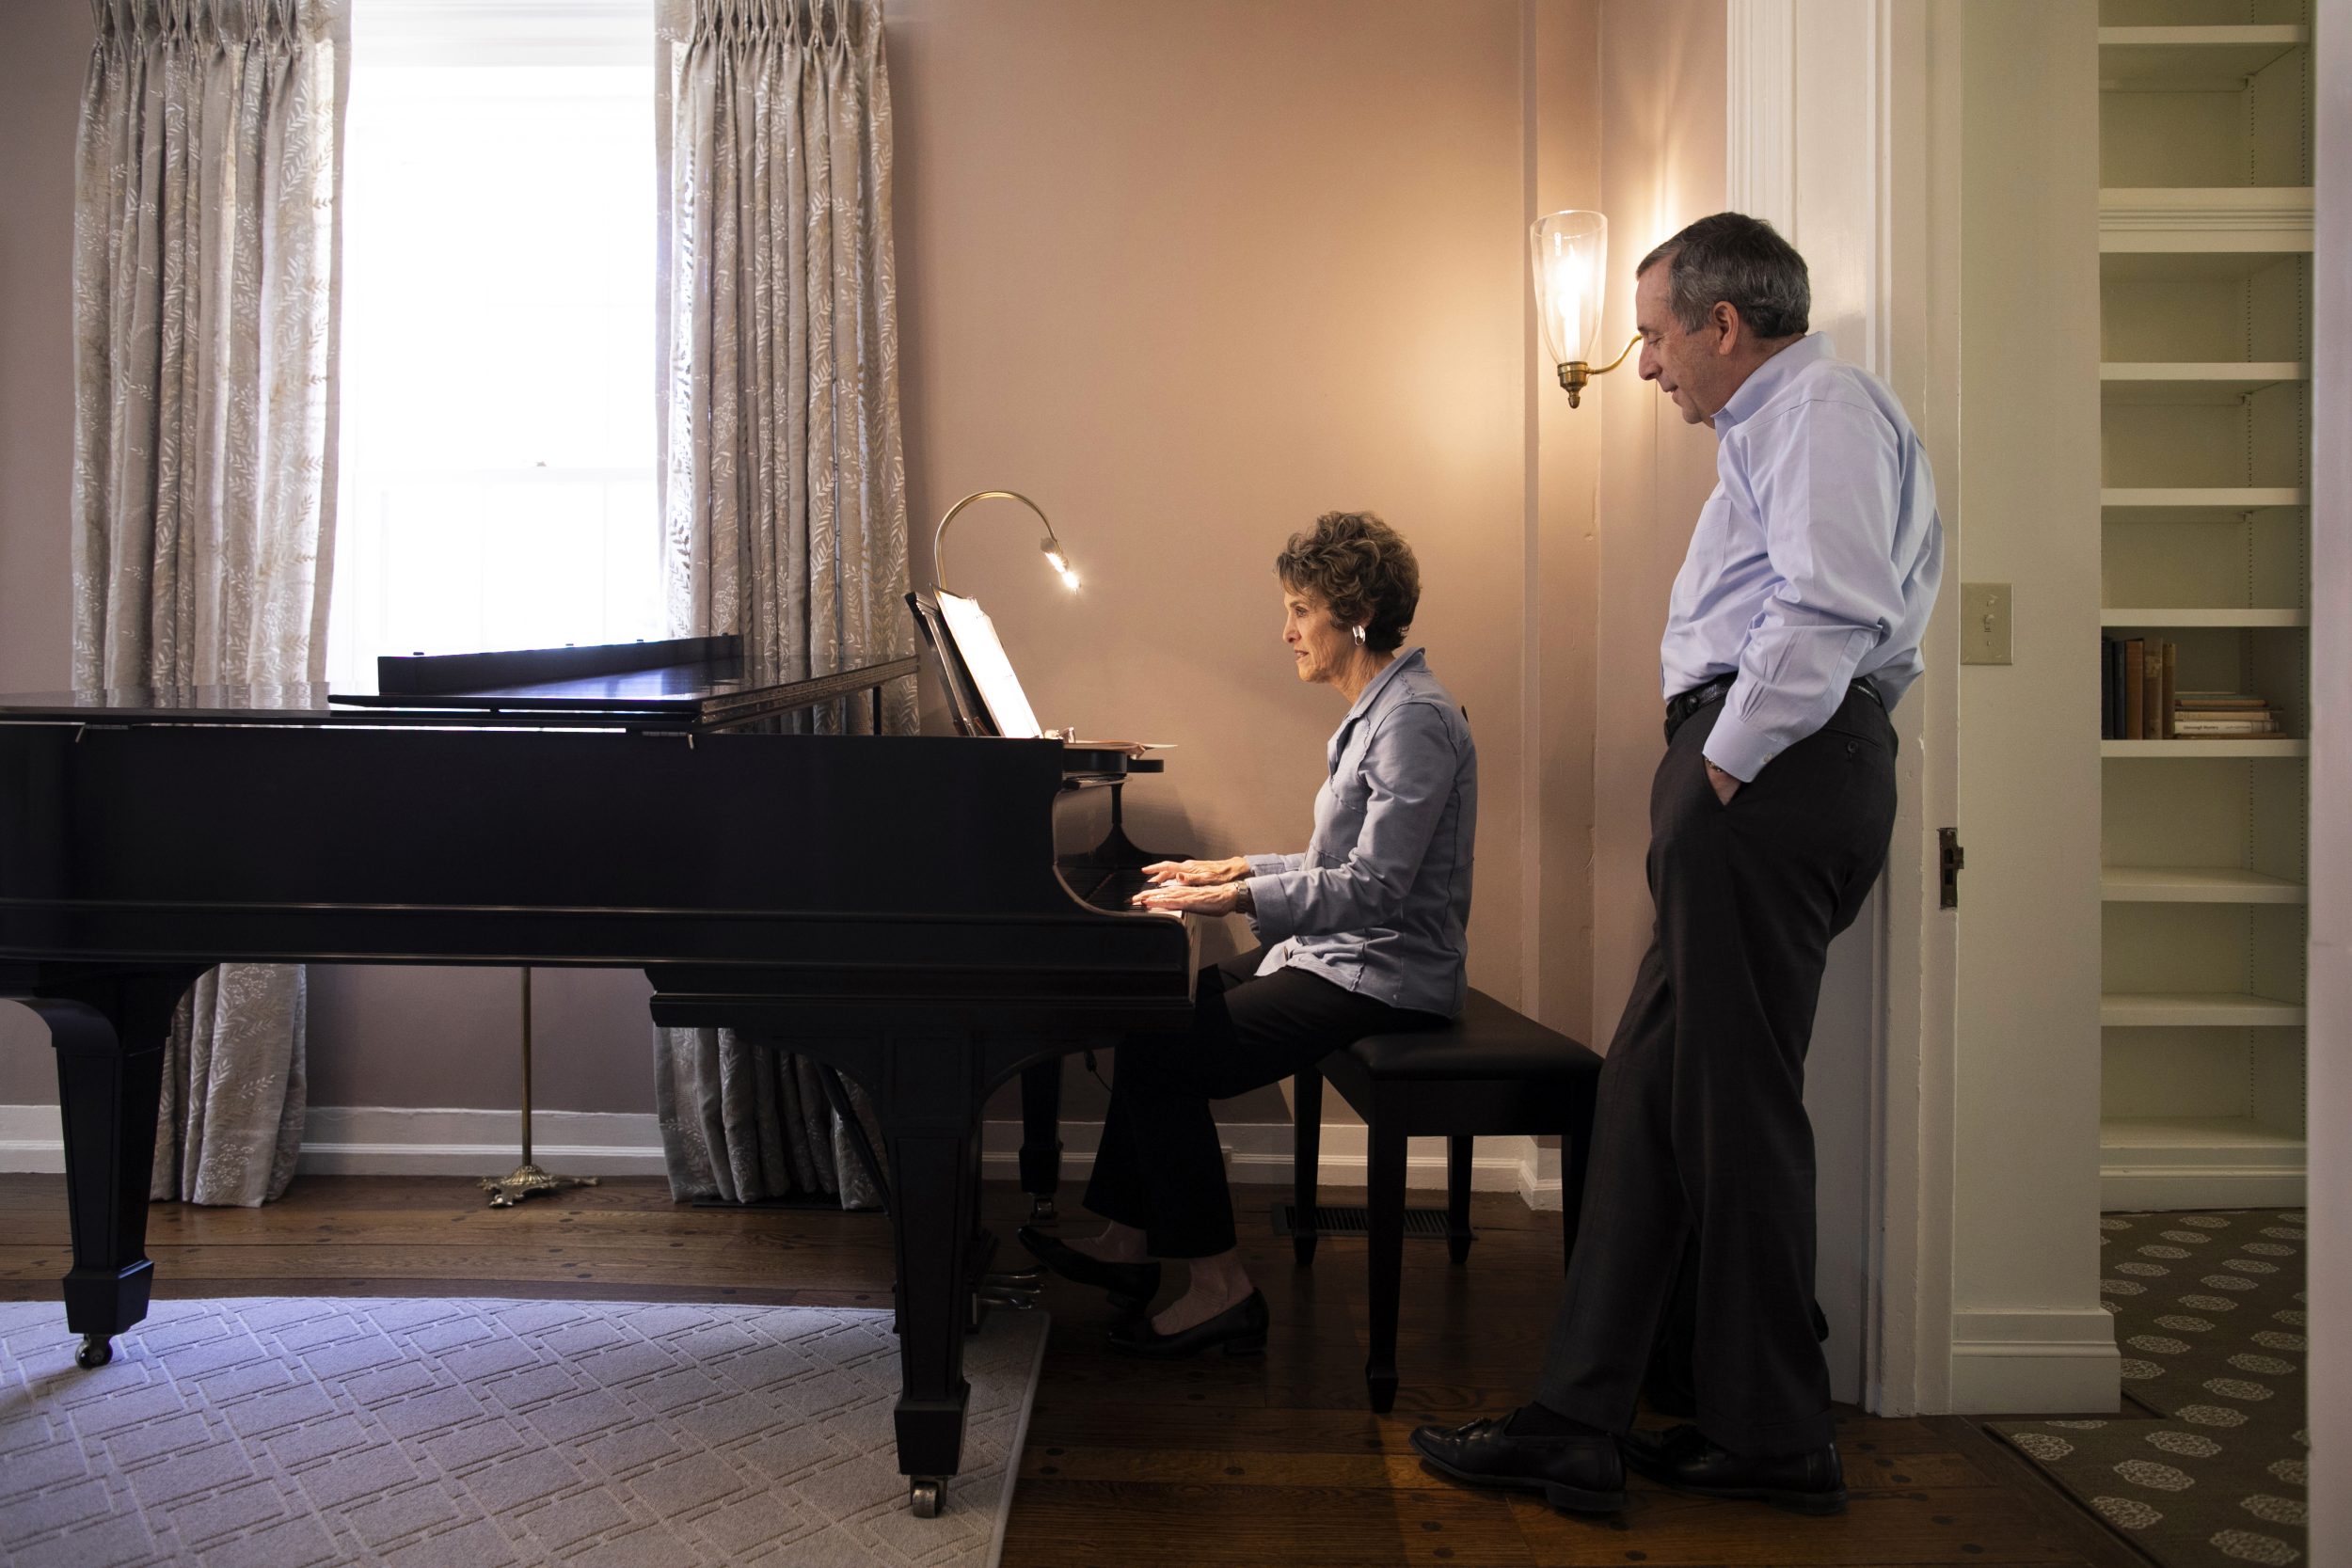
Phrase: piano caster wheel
pixel 923 1496
pixel 97 1350
pixel 1041 1211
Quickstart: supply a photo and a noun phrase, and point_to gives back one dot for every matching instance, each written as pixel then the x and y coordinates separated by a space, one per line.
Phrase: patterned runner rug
pixel 280 1432
pixel 2209 1314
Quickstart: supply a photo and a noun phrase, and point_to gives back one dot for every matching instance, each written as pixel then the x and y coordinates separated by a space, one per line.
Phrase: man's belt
pixel 1682 707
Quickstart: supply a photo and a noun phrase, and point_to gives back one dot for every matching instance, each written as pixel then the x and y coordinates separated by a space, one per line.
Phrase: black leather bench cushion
pixel 1488 1040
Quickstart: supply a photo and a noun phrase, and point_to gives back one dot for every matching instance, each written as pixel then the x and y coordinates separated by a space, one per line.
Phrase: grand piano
pixel 891 906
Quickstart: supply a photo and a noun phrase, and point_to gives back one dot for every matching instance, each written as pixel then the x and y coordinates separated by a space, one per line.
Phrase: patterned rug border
pixel 488 1418
pixel 1020 1442
pixel 2209 1306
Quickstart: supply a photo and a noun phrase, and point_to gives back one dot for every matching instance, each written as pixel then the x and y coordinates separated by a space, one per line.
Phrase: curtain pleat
pixel 784 485
pixel 208 170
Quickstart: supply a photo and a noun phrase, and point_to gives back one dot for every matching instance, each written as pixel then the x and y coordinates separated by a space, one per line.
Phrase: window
pixel 497 443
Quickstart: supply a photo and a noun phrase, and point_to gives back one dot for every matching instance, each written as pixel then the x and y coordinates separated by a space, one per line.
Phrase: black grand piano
pixel 891 906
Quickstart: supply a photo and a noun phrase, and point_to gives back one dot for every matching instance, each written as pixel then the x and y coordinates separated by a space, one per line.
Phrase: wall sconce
pixel 1571 255
pixel 1055 556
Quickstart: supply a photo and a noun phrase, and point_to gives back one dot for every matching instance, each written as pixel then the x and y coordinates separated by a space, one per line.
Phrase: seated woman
pixel 1364 935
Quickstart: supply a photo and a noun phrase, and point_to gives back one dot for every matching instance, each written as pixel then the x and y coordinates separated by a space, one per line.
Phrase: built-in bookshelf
pixel 2205 257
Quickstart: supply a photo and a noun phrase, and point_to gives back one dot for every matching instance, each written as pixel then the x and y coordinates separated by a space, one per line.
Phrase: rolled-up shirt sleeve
pixel 1828 496
pixel 1406 779
pixel 1270 865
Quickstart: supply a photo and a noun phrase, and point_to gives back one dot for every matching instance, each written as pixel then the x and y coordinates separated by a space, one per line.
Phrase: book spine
pixel 2108 725
pixel 2135 689
pixel 2171 688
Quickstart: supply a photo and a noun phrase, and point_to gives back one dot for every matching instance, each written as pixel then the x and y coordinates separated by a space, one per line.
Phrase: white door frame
pixel 1844 170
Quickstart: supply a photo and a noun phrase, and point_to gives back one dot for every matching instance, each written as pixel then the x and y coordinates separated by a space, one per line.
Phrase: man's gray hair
pixel 1738 261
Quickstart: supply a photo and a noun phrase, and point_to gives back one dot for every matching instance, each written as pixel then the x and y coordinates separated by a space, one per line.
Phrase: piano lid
pixel 679 683
pixel 697 681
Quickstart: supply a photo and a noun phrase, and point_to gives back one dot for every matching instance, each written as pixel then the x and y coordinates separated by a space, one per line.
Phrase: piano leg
pixel 1040 1138
pixel 110 1054
pixel 932 1174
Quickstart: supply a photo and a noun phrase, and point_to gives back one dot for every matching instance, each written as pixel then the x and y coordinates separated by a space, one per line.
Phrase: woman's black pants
pixel 1160 1167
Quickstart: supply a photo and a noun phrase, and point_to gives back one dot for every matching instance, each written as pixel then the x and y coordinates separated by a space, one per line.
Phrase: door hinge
pixel 1950 857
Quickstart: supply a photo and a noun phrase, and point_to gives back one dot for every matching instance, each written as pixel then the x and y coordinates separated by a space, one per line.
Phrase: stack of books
pixel 2138 692
pixel 2223 716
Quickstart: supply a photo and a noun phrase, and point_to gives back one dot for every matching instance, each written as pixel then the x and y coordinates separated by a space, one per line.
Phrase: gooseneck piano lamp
pixel 1055 555
pixel 1571 256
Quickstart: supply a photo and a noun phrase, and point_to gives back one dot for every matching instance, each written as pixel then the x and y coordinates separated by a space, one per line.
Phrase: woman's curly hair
pixel 1362 568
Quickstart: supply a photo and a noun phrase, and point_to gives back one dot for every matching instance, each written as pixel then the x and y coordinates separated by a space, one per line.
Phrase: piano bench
pixel 1492 1072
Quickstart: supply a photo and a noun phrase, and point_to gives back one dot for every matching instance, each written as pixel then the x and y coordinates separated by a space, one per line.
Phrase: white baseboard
pixel 31 1140
pixel 363 1140
pixel 1259 1155
pixel 2059 1363
pixel 398 1141
pixel 383 1140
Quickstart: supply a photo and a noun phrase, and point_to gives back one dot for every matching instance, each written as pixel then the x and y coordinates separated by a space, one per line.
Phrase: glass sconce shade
pixel 1571 255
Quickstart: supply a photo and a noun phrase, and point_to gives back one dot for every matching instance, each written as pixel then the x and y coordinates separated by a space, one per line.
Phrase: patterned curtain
pixel 205 237
pixel 784 485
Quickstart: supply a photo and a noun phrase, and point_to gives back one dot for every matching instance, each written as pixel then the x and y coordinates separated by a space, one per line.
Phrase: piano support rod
pixel 526 973
pixel 528 1180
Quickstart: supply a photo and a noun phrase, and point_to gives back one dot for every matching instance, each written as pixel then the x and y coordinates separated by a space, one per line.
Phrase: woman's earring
pixel 1359 636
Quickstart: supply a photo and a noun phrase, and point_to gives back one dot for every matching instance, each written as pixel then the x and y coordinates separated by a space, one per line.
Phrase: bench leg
pixel 1385 1181
pixel 1576 1148
pixel 1457 1194
pixel 1306 1152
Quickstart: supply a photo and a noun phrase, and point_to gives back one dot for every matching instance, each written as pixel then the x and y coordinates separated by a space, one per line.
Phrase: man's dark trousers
pixel 1700 1137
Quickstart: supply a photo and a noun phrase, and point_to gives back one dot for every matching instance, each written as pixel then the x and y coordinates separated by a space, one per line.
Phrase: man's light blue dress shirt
pixel 1380 904
pixel 1814 561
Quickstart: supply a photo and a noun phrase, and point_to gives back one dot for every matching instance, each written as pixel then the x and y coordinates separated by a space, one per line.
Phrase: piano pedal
pixel 1041 1211
pixel 1019 1301
pixel 1031 1278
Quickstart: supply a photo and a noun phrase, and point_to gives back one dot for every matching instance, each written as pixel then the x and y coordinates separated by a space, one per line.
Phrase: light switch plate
pixel 1984 623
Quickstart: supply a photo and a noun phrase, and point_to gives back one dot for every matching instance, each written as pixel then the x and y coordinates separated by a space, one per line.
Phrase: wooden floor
pixel 1251 1461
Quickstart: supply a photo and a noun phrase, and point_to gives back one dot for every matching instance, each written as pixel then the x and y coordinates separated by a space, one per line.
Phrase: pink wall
pixel 1189 276
pixel 43 50
pixel 1663 73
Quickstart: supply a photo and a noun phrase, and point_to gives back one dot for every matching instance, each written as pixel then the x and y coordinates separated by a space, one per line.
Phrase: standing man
pixel 1793 628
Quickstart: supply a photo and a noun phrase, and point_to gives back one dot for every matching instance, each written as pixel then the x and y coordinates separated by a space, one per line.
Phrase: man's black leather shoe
pixel 1582 1474
pixel 1131 1285
pixel 1683 1459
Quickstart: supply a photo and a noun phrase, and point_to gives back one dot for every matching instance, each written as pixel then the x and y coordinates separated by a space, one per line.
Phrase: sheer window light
pixel 496 430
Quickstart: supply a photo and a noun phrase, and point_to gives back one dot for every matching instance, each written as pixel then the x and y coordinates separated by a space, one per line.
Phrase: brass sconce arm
pixel 1575 372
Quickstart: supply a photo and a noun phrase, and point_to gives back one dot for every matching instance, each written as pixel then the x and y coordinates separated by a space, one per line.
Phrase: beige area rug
pixel 282 1432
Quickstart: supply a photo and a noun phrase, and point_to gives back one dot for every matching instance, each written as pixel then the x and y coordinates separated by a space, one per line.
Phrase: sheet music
pixel 991 672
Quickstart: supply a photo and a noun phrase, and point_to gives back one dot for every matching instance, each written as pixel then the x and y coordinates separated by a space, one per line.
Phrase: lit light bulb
pixel 1060 562
pixel 1571 251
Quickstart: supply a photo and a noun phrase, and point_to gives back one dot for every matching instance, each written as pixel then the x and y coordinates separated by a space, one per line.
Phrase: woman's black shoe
pixel 1131 1285
pixel 1240 1329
